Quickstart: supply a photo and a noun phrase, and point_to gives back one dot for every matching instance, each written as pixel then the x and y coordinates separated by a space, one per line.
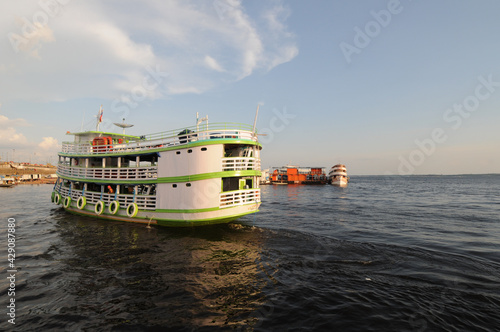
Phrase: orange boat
pixel 299 175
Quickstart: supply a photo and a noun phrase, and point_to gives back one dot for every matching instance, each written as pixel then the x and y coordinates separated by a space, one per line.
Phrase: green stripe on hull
pixel 206 176
pixel 186 210
pixel 163 221
pixel 203 222
pixel 173 179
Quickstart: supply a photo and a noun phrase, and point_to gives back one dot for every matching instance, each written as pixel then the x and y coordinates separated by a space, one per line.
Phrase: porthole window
pixel 178 152
pixel 188 184
pixel 174 186
pixel 190 151
pixel 203 149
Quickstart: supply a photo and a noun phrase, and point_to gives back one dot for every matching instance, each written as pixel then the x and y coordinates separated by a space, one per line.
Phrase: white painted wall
pixel 198 162
pixel 200 195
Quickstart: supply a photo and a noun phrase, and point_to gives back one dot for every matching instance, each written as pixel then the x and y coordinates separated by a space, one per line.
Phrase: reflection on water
pixel 130 276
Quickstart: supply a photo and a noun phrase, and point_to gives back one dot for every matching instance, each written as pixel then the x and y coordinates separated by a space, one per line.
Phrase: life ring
pixel 99 207
pixel 113 207
pixel 57 198
pixel 53 196
pixel 132 210
pixel 80 204
pixel 67 202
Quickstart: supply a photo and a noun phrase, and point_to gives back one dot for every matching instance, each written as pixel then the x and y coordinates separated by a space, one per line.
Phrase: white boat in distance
pixel 338 176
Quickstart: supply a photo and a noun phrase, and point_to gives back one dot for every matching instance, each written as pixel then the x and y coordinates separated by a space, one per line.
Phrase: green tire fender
pixel 132 210
pixel 99 207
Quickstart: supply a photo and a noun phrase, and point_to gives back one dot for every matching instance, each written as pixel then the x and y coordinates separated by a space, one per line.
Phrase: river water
pixel 391 253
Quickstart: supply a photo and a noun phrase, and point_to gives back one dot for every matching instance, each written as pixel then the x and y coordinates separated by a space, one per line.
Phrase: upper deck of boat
pixel 97 143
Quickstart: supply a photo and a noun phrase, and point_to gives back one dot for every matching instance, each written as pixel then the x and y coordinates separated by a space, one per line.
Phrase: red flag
pixel 100 114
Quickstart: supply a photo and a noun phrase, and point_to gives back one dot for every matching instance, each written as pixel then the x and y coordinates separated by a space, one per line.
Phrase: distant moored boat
pixel 338 176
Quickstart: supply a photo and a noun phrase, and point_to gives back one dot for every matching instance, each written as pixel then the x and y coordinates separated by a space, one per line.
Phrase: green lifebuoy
pixel 113 207
pixel 99 207
pixel 57 198
pixel 132 210
pixel 82 201
pixel 67 202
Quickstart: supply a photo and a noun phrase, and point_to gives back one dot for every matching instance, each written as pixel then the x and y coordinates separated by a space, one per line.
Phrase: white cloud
pixel 6 122
pixel 10 138
pixel 49 143
pixel 119 44
pixel 284 49
pixel 102 49
pixel 32 40
pixel 212 63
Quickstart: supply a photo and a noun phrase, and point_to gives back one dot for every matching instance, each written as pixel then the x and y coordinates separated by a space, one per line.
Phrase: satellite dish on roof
pixel 123 125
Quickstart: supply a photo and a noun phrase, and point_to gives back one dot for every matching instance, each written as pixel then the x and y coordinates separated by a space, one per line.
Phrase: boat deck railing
pixel 111 173
pixel 240 164
pixel 170 138
pixel 239 197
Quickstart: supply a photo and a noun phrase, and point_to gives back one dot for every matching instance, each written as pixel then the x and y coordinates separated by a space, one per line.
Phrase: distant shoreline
pixel 39 181
pixel 14 171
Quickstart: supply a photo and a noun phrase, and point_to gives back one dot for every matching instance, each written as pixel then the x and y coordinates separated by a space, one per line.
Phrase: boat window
pixel 178 152
pixel 188 184
pixel 229 184
pixel 174 186
pixel 190 151
pixel 203 149
pixel 237 150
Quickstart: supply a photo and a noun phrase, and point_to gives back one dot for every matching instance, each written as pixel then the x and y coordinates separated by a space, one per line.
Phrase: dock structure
pixel 298 175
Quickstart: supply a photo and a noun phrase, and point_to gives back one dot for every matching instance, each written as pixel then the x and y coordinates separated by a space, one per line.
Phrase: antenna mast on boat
pixel 198 121
pixel 83 120
pixel 255 121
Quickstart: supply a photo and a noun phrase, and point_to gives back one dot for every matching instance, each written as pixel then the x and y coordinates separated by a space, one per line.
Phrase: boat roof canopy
pixel 101 133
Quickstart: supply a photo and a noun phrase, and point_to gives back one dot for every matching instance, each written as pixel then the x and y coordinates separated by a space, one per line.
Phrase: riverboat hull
pixel 173 219
pixel 342 182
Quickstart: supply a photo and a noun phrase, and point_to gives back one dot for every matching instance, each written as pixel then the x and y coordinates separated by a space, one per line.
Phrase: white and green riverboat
pixel 205 174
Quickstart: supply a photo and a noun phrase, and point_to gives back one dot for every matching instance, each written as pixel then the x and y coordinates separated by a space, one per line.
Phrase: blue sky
pixel 386 87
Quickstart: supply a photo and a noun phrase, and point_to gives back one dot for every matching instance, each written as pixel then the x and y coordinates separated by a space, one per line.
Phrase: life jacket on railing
pixel 102 144
pixel 109 143
pixel 97 144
